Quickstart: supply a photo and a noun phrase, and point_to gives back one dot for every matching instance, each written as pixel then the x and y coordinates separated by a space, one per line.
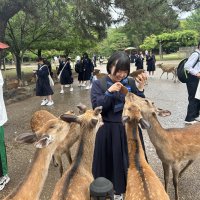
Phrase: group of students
pixel 150 61
pixel 84 67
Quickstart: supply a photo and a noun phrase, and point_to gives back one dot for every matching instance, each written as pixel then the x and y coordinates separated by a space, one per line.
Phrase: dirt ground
pixel 165 93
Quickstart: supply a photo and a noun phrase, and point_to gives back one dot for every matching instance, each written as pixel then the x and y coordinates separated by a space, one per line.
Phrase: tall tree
pixel 144 18
pixel 193 21
pixel 186 5
pixel 56 23
pixel 9 8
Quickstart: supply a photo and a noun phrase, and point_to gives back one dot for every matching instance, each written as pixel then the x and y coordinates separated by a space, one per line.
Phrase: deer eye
pixel 52 126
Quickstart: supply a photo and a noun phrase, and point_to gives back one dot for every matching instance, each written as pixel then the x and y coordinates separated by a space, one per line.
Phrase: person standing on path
pixel 110 154
pixel 43 87
pixel 87 69
pixel 65 74
pixel 192 66
pixel 151 61
pixel 4 178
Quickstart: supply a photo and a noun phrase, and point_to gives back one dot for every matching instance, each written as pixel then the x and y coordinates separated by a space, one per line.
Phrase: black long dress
pixel 43 87
pixel 110 154
pixel 66 73
pixel 86 71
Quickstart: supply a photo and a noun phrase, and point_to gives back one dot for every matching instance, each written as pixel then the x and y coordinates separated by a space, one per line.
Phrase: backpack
pixel 103 82
pixel 78 67
pixel 181 71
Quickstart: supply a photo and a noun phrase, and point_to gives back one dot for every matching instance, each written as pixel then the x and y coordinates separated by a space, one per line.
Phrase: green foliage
pixel 145 18
pixel 193 22
pixel 149 43
pixel 116 40
pixel 171 41
pixel 186 5
pixel 184 38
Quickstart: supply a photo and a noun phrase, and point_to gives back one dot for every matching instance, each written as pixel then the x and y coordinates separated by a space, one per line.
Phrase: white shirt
pixel 3 113
pixel 191 61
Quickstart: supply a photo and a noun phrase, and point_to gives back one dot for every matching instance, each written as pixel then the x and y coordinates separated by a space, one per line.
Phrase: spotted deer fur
pixel 142 182
pixel 74 184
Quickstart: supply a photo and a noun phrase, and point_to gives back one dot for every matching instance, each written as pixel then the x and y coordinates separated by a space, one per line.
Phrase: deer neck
pixel 86 148
pixel 135 150
pixel 156 133
pixel 32 184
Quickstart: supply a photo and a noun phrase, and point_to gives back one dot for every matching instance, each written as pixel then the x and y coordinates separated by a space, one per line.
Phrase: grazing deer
pixel 173 145
pixel 46 141
pixel 142 182
pixel 74 184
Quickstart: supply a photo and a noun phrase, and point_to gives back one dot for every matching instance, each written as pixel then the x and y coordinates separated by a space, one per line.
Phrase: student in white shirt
pixel 193 68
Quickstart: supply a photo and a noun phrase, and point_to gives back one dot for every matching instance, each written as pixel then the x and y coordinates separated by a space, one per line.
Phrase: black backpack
pixel 182 74
pixel 78 67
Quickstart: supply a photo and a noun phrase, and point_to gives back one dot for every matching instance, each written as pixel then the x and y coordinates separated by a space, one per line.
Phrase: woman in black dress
pixel 65 75
pixel 110 154
pixel 43 87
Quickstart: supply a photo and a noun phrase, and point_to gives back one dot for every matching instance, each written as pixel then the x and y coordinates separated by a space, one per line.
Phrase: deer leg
pixel 54 161
pixel 167 75
pixel 69 158
pixel 59 161
pixel 175 171
pixel 187 165
pixel 162 74
pixel 166 175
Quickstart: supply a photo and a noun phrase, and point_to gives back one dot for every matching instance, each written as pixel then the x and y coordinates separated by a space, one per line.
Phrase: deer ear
pixel 93 122
pixel 129 96
pixel 69 118
pixel 98 110
pixel 28 138
pixel 125 119
pixel 82 108
pixel 44 141
pixel 144 124
pixel 163 113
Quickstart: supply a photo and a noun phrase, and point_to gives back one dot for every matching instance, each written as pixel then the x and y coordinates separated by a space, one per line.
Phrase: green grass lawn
pixel 11 72
pixel 172 56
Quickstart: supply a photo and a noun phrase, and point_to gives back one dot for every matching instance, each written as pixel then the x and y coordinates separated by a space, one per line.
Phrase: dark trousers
pixel 193 104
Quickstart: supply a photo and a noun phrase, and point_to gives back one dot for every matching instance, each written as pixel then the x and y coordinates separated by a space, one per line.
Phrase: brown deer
pixel 173 145
pixel 46 141
pixel 168 69
pixel 74 184
pixel 142 182
pixel 41 117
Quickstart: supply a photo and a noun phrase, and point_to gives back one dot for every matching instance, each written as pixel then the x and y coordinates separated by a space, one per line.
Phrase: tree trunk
pixel 2 36
pixel 39 52
pixel 18 66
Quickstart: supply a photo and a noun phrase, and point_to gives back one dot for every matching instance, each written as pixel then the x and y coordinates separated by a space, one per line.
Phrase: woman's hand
pixel 115 87
pixel 141 79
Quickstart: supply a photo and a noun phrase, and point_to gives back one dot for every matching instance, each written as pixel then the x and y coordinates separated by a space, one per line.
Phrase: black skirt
pixel 111 155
